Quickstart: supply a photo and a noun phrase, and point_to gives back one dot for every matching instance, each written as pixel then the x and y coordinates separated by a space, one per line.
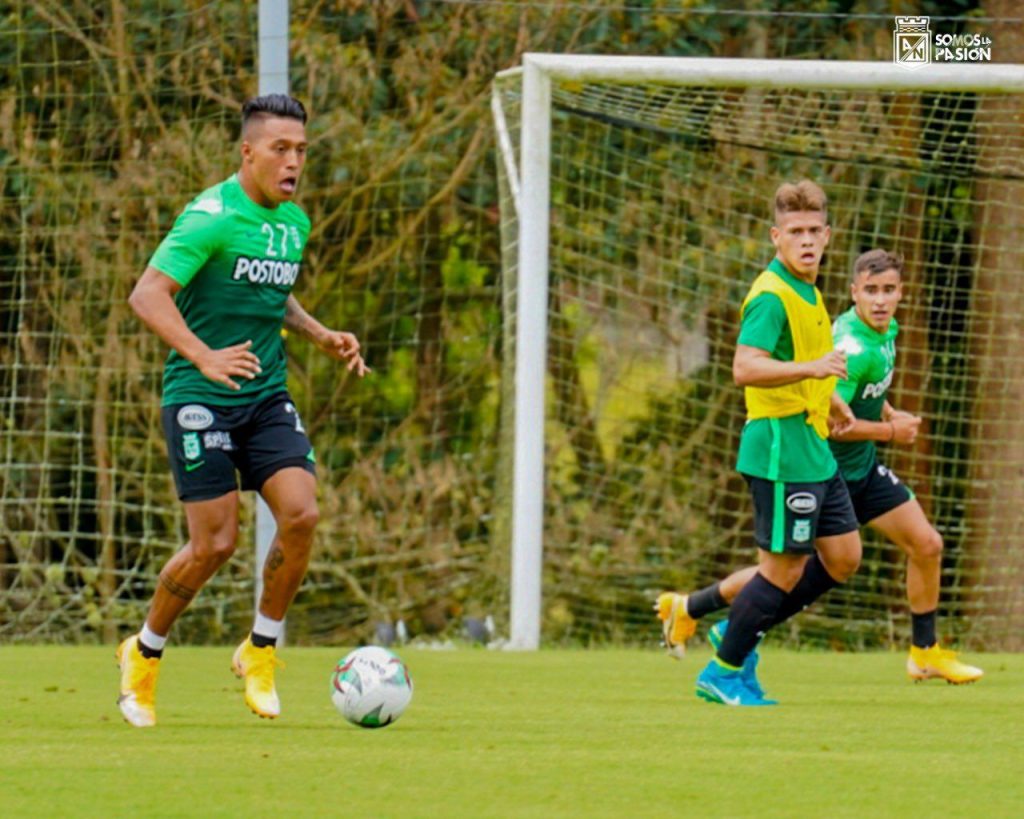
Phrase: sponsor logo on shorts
pixel 801 531
pixel 885 472
pixel 194 416
pixel 802 503
pixel 218 439
pixel 290 409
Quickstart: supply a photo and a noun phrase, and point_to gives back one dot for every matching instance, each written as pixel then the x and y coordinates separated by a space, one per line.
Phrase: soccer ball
pixel 371 687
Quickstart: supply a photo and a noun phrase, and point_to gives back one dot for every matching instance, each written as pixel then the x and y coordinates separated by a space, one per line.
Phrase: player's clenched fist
pixel 904 427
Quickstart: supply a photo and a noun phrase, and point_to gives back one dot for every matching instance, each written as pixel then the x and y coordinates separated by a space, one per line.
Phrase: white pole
pixel 273 47
pixel 531 360
pixel 728 72
pixel 508 154
pixel 273 79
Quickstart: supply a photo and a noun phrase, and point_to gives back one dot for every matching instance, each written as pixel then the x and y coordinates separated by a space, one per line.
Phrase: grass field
pixel 555 733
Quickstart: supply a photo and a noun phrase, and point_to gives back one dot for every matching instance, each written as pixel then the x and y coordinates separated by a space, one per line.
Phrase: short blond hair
pixel 795 197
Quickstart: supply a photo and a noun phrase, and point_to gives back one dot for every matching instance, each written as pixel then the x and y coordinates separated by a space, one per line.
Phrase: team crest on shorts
pixel 801 531
pixel 190 445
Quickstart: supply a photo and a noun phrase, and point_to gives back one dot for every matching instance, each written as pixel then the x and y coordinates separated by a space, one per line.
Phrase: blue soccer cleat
pixel 718 684
pixel 749 670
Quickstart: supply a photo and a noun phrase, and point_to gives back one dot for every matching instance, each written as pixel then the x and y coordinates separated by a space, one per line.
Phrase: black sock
pixel 259 641
pixel 149 653
pixel 813 583
pixel 705 601
pixel 753 613
pixel 924 629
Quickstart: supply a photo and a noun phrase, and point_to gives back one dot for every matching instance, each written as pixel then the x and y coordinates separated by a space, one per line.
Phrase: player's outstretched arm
pixel 336 343
pixel 153 302
pixel 754 367
pixel 889 412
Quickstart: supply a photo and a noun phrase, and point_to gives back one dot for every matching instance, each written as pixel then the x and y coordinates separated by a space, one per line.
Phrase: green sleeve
pixel 856 367
pixel 196 236
pixel 764 320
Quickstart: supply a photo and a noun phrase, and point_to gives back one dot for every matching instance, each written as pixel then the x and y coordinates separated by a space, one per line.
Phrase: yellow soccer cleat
pixel 257 666
pixel 137 700
pixel 676 625
pixel 926 663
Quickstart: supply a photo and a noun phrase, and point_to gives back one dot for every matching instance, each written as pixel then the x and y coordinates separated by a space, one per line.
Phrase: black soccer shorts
pixel 789 517
pixel 207 445
pixel 878 492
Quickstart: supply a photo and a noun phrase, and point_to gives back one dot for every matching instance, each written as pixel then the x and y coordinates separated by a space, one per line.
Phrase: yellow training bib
pixel 812 338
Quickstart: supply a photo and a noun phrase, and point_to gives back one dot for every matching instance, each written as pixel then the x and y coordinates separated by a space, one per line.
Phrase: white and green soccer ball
pixel 371 687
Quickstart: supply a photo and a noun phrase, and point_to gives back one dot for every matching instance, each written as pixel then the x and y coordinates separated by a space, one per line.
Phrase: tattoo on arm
pixel 297 319
pixel 176 588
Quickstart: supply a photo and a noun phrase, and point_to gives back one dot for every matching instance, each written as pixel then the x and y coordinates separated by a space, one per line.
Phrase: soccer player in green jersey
pixel 866 333
pixel 804 522
pixel 218 292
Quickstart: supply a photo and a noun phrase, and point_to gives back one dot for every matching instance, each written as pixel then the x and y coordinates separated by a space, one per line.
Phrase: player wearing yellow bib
pixel 218 292
pixel 804 522
pixel 866 333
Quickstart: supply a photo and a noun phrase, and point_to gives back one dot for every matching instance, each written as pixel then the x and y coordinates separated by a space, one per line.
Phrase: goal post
pixel 273 79
pixel 676 100
pixel 531 355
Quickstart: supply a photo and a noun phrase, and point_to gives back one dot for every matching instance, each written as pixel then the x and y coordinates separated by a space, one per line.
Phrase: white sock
pixel 265 627
pixel 151 639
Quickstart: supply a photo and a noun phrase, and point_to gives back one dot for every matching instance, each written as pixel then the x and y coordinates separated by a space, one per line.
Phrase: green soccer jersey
pixel 780 449
pixel 236 262
pixel 870 359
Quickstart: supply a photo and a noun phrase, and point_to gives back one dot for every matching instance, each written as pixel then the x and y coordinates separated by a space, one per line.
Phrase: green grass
pixel 613 733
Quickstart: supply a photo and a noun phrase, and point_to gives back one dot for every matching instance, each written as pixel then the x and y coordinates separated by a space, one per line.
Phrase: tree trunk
pixel 910 384
pixel 430 334
pixel 106 492
pixel 994 524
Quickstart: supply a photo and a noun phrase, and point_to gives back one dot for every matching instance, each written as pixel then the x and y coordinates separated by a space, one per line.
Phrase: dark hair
pixel 272 105
pixel 877 261
pixel 800 196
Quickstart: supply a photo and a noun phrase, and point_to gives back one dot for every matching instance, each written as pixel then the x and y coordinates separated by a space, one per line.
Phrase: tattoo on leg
pixel 274 560
pixel 176 588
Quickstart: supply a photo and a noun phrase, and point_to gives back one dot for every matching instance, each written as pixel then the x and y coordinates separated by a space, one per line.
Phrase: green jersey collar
pixel 803 289
pixel 862 328
pixel 257 208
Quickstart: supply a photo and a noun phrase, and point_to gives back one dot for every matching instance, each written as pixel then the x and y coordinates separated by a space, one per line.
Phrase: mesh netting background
pixel 114 115
pixel 660 221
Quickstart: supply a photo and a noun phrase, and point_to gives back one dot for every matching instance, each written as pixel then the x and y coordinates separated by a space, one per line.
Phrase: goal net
pixel 112 122
pixel 635 214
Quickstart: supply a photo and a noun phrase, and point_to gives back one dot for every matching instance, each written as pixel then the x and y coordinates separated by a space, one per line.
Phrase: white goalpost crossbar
pixel 532 202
